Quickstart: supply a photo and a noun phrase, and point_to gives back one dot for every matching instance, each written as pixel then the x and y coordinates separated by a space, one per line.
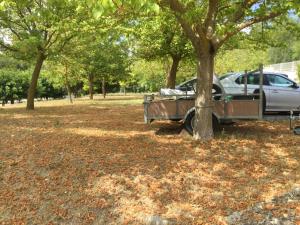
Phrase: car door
pixel 252 82
pixel 284 94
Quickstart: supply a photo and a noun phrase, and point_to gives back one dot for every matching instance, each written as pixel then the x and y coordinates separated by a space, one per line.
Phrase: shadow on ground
pixel 94 164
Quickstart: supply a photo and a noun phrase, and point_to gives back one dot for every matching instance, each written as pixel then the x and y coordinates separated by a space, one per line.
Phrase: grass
pixel 96 162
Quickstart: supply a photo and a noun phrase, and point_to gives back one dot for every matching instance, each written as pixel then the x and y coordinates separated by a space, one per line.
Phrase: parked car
pixel 281 94
pixel 189 88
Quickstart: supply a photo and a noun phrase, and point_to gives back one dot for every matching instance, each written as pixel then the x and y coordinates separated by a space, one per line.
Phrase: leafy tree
pixel 148 75
pixel 13 85
pixel 285 42
pixel 210 24
pixel 36 29
pixel 240 60
pixel 106 59
pixel 162 37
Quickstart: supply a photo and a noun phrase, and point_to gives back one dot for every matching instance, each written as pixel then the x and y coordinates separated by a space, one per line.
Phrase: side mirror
pixel 295 85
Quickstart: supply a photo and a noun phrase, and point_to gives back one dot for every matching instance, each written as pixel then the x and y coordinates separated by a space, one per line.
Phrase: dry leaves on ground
pixel 96 163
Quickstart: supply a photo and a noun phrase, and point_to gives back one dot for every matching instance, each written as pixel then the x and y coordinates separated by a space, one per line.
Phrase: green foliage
pixel 240 60
pixel 148 75
pixel 15 79
pixel 161 36
pixel 33 26
pixel 105 57
pixel 13 84
pixel 285 42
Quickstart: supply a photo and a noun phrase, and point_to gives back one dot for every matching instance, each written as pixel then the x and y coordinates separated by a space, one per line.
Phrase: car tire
pixel 189 126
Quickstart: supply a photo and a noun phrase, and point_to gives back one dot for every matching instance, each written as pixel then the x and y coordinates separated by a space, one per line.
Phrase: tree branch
pixel 7 47
pixel 209 22
pixel 240 11
pixel 179 10
pixel 246 24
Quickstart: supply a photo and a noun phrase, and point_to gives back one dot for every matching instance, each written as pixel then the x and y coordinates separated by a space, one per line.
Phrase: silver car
pixel 280 93
pixel 189 88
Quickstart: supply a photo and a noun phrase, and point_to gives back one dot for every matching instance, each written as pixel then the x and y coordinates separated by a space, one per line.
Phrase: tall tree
pixel 161 37
pixel 209 24
pixel 104 58
pixel 36 29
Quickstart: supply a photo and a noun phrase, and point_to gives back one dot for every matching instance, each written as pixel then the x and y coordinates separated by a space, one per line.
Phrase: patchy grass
pixel 96 162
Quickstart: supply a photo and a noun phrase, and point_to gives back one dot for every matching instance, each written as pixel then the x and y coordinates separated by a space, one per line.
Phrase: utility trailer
pixel 225 108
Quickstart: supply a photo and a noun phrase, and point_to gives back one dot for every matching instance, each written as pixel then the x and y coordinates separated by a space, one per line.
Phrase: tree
pixel 285 42
pixel 209 24
pixel 65 71
pixel 161 37
pixel 36 29
pixel 240 59
pixel 105 59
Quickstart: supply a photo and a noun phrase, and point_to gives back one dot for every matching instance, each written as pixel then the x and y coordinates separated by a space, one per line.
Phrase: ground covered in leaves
pixel 96 162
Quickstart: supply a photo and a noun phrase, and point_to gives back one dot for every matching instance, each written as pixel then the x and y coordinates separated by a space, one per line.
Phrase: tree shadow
pixel 81 165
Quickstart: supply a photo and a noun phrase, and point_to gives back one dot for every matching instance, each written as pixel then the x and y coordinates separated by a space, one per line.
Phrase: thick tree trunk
pixel 103 87
pixel 171 78
pixel 203 104
pixel 34 79
pixel 91 86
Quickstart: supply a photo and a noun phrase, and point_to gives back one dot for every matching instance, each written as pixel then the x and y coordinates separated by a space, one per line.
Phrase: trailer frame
pixel 227 107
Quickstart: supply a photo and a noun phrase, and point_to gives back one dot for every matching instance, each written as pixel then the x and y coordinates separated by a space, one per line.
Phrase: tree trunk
pixel 34 79
pixel 91 86
pixel 103 87
pixel 203 104
pixel 68 84
pixel 69 93
pixel 171 78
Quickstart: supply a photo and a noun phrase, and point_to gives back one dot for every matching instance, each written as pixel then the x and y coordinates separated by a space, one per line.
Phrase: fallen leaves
pixel 90 163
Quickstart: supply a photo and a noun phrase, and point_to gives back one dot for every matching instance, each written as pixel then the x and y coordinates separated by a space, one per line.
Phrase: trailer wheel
pixel 189 123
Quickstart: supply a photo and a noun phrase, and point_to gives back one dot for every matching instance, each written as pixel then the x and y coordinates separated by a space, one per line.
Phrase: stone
pixel 157 220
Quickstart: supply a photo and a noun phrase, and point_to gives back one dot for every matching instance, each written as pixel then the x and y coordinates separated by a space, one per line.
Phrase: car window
pixel 279 81
pixel 188 86
pixel 192 85
pixel 251 79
